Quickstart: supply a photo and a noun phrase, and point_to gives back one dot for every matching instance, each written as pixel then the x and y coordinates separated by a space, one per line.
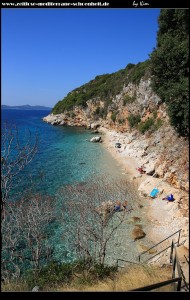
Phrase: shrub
pixel 158 124
pixel 128 99
pixel 121 121
pixel 72 114
pixel 97 111
pixel 139 71
pixel 51 274
pixel 134 120
pixel 100 271
pixel 113 116
pixel 100 111
pixel 155 114
pixel 144 126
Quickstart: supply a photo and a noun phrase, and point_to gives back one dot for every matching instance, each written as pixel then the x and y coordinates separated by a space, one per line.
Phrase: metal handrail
pixel 160 243
pixel 158 253
pixel 175 262
pixel 132 262
pixel 157 285
pixel 186 259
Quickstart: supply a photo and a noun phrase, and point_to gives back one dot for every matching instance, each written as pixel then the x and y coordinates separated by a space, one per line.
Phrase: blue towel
pixel 154 193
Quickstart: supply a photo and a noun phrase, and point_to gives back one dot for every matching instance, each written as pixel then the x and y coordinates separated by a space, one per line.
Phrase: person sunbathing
pixel 125 205
pixel 169 198
pixel 117 207
pixel 141 170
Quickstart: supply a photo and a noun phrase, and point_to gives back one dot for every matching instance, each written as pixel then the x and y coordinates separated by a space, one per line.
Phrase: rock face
pixel 138 233
pixel 162 152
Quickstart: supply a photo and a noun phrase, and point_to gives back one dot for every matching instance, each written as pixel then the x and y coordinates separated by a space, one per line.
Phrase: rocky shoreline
pixel 137 150
pixel 162 171
pixel 166 217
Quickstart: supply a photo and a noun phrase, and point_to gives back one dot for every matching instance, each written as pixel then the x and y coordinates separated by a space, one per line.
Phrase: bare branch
pixel 16 154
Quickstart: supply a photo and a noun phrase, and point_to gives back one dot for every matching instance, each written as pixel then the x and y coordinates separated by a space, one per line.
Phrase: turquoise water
pixel 66 157
pixel 65 154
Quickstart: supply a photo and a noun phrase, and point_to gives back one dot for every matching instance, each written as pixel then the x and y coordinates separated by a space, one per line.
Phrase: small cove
pixel 65 156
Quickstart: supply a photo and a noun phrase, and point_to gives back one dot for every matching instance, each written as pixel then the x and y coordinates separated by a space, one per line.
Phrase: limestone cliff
pixel 141 118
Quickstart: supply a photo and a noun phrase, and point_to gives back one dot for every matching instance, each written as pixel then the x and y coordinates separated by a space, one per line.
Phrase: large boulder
pixel 138 233
pixel 117 145
pixel 96 139
pixel 94 126
pixel 150 168
pixel 63 123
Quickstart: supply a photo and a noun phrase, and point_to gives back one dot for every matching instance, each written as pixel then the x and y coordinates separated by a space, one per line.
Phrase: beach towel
pixel 154 192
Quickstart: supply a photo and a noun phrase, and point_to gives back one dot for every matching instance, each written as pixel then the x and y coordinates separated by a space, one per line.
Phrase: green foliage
pixel 128 99
pixel 71 114
pixel 170 66
pixel 155 114
pixel 139 71
pixel 134 120
pixel 105 87
pixel 100 271
pixel 113 116
pixel 121 121
pixel 100 112
pixel 49 275
pixel 97 111
pixel 129 66
pixel 55 273
pixel 144 126
pixel 158 124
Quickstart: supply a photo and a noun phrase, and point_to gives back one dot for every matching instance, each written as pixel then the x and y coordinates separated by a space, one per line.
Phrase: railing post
pixel 174 264
pixel 179 237
pixel 179 285
pixel 171 253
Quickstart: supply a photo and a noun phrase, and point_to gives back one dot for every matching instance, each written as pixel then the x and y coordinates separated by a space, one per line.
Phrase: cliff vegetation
pixel 167 69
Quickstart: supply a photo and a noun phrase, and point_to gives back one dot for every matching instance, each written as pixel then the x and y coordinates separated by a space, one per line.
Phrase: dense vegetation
pixel 170 66
pixel 104 87
pixel 63 273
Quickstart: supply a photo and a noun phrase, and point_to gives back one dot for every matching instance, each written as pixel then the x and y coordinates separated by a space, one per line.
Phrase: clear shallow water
pixel 65 156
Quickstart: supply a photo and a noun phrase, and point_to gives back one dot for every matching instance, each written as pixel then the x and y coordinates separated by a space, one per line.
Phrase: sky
pixel 46 53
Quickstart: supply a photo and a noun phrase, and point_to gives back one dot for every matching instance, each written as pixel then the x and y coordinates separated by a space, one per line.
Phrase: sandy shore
pixel 164 217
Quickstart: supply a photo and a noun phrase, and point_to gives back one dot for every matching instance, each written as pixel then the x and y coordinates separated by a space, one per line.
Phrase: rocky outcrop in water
pixel 138 233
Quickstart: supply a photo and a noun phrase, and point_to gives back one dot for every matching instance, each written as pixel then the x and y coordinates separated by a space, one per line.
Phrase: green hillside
pixel 103 86
pixel 168 68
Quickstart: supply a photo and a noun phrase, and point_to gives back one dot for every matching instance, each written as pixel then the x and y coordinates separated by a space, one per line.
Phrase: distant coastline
pixel 26 107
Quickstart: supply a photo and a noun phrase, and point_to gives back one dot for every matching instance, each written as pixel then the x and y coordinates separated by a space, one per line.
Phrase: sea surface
pixel 66 156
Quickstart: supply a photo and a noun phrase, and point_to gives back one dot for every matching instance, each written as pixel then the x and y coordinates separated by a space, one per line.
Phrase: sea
pixel 65 157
